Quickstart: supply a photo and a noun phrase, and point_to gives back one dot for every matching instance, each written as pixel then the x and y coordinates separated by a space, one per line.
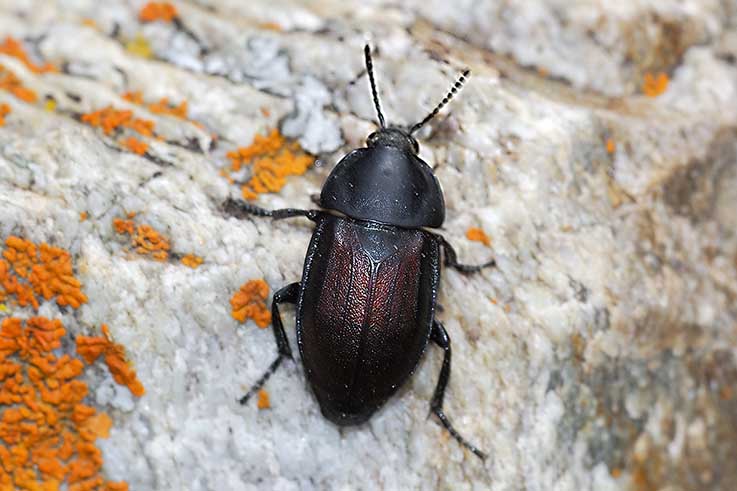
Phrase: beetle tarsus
pixel 241 209
pixel 288 294
pixel 440 337
pixel 260 383
pixel 451 260
pixel 472 268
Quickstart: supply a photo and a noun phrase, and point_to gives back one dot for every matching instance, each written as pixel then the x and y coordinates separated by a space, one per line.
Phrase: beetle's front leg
pixel 451 259
pixel 241 209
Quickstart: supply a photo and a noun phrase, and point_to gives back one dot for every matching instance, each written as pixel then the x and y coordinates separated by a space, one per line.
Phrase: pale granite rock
pixel 601 353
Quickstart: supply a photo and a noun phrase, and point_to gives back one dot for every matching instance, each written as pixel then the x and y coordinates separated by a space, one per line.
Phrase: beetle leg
pixel 241 209
pixel 441 338
pixel 451 259
pixel 288 294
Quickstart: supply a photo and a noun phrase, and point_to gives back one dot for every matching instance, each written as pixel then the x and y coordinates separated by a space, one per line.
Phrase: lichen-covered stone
pixel 599 355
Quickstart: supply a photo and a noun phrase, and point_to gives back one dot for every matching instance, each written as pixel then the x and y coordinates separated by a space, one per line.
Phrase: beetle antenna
pixel 374 92
pixel 456 87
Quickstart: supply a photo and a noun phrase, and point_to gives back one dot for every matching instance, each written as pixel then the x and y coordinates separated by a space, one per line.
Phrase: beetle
pixel 367 298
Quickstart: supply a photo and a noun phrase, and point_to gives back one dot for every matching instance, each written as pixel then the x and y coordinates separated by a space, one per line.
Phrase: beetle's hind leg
pixel 451 259
pixel 440 337
pixel 241 209
pixel 288 294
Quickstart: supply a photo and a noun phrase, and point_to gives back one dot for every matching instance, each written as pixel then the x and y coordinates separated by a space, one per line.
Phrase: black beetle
pixel 366 301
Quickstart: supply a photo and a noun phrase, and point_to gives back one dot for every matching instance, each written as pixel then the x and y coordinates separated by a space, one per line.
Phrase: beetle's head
pixel 388 182
pixel 394 137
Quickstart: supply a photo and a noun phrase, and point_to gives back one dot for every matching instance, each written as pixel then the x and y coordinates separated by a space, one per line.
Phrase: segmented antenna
pixel 456 87
pixel 374 92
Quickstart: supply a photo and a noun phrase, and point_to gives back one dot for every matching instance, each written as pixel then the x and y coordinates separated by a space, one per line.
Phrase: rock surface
pixel 601 353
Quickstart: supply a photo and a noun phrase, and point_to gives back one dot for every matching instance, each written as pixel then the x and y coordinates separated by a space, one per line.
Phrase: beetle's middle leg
pixel 240 209
pixel 440 337
pixel 451 259
pixel 288 294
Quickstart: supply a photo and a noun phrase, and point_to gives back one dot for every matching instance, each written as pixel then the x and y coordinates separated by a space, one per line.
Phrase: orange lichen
pixel 654 85
pixel 29 272
pixel 9 82
pixel 261 145
pixel 163 107
pixel 83 216
pixel 271 26
pixel 611 146
pixel 134 97
pixel 12 286
pixel 144 239
pixel 124 226
pixel 269 174
pixel 249 303
pixel 273 158
pixel 47 433
pixel 114 121
pixel 135 145
pixel 12 47
pixel 153 11
pixel 91 348
pixel 263 400
pixel 108 119
pixel 192 261
pixel 111 120
pixel 478 235
pixel 53 277
pixel 144 127
pixel 148 241
pixel 89 23
pixel 4 111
